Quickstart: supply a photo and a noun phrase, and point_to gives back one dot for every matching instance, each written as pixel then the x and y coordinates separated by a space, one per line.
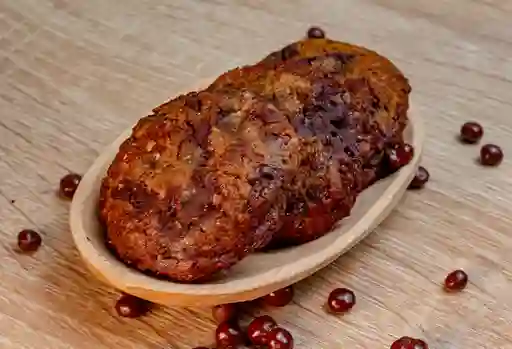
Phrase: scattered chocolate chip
pixel 279 298
pixel 13 201
pixel 29 240
pixel 400 156
pixel 471 132
pixel 491 155
pixel 224 313
pixel 422 176
pixel 316 33
pixel 228 336
pixel 403 343
pixel 279 338
pixel 409 343
pixel 341 300
pixel 259 328
pixel 69 184
pixel 456 280
pixel 131 306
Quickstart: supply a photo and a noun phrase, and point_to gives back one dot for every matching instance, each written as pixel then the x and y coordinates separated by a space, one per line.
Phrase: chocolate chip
pixel 316 33
pixel 491 155
pixel 69 184
pixel 131 306
pixel 29 240
pixel 225 312
pixel 422 176
pixel 471 132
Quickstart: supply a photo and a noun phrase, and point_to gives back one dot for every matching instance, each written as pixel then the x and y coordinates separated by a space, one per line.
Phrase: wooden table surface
pixel 73 74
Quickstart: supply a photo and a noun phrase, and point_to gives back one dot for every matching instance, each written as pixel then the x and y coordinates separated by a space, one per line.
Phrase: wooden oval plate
pixel 256 275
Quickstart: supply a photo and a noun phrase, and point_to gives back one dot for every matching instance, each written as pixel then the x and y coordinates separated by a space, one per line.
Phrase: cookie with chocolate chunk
pixel 328 100
pixel 198 184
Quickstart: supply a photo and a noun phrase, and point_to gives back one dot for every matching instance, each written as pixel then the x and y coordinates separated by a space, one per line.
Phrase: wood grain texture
pixel 74 74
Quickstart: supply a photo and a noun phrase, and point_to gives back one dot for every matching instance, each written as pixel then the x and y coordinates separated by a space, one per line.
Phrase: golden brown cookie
pixel 197 186
pixel 328 100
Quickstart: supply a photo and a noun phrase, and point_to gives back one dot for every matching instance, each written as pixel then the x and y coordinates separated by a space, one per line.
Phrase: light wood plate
pixel 256 275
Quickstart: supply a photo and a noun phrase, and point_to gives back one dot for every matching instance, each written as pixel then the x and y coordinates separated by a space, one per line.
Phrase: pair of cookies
pixel 269 155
